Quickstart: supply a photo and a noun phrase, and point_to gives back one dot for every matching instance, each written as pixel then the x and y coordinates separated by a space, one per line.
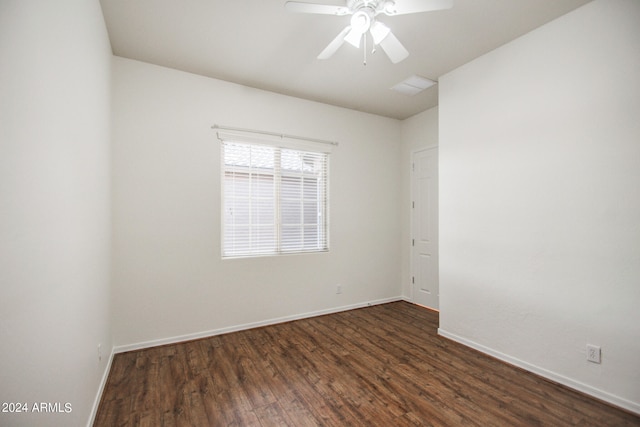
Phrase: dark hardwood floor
pixel 378 366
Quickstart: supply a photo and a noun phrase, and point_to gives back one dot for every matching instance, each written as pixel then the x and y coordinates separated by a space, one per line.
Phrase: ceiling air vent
pixel 413 85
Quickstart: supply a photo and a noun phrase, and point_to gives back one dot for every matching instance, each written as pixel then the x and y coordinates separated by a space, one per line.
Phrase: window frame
pixel 278 174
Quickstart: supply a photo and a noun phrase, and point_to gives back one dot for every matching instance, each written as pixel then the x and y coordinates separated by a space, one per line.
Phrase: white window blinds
pixel 275 200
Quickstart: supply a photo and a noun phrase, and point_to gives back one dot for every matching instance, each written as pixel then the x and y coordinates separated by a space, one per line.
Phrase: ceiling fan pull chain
pixel 365 48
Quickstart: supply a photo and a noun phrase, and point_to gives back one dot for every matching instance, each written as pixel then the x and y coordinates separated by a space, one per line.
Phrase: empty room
pixel 328 213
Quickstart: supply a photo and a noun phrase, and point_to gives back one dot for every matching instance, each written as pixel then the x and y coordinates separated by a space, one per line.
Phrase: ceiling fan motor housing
pixel 374 6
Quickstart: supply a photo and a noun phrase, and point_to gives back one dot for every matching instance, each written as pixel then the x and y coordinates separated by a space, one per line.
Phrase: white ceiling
pixel 258 43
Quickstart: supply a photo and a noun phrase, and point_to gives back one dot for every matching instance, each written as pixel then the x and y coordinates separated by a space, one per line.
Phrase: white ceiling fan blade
pixel 322 9
pixel 334 45
pixel 402 7
pixel 393 48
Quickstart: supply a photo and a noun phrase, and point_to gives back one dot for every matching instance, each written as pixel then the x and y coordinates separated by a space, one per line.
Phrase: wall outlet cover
pixel 593 353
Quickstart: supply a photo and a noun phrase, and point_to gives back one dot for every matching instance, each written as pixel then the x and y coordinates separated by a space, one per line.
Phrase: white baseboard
pixel 214 332
pixel 576 385
pixel 103 383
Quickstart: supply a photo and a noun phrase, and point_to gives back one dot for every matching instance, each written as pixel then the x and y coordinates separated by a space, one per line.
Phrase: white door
pixel 424 228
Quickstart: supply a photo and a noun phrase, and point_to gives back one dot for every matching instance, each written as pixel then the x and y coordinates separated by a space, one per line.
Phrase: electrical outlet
pixel 338 289
pixel 593 353
pixel 99 352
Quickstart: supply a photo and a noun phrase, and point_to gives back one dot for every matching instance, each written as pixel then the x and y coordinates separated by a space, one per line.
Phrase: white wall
pixel 169 279
pixel 418 132
pixel 540 200
pixel 54 207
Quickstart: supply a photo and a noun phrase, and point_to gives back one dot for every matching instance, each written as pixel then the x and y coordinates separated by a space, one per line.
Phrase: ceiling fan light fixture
pixel 413 85
pixel 379 31
pixel 361 21
pixel 360 24
pixel 353 38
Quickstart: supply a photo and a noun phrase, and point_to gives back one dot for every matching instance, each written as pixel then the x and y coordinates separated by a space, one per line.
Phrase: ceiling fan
pixel 363 18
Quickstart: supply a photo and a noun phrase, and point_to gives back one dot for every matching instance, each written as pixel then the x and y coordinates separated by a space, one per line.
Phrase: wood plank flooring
pixel 378 366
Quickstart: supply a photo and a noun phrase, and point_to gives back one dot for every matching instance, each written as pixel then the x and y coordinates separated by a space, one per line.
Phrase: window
pixel 275 200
